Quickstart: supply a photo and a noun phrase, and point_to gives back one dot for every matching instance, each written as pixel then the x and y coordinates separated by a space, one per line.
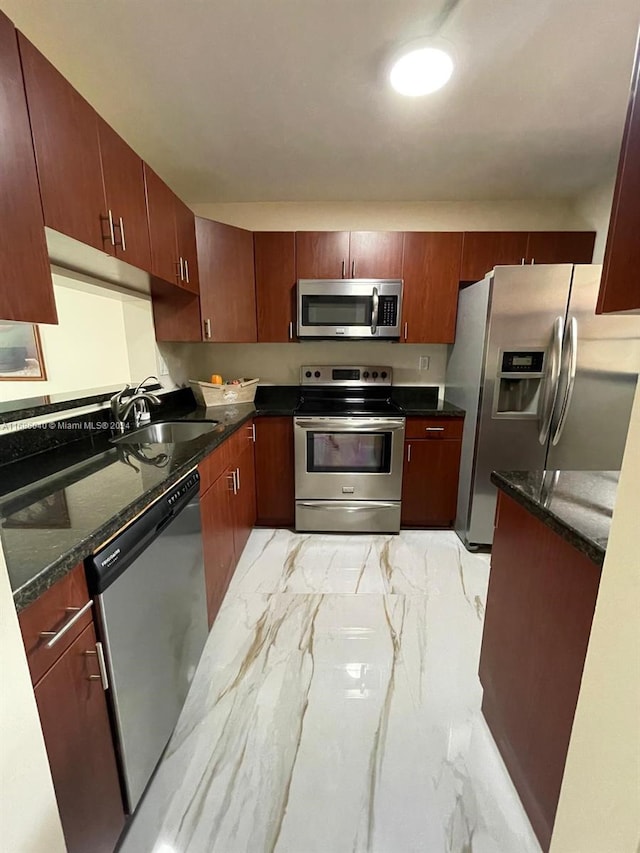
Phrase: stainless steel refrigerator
pixel 545 382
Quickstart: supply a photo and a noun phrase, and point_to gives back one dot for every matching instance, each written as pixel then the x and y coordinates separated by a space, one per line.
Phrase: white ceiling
pixel 266 100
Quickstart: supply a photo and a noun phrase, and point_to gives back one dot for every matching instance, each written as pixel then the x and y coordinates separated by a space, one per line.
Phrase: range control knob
pixel 365 375
pixel 384 374
pixel 375 374
pixel 317 374
pixel 308 374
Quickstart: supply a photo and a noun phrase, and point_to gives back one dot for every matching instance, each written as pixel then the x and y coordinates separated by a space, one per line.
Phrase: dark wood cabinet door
pixel 375 254
pixel 26 289
pixel 161 207
pixel 322 254
pixel 431 282
pixel 217 540
pixel 245 499
pixel 176 312
pixel 227 291
pixel 77 735
pixel 187 248
pixel 430 483
pixel 620 286
pixel 483 250
pixel 560 247
pixel 275 273
pixel 540 604
pixel 65 138
pixel 125 194
pixel 275 491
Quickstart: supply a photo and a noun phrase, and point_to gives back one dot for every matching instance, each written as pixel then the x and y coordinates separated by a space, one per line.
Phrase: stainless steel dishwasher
pixel 149 586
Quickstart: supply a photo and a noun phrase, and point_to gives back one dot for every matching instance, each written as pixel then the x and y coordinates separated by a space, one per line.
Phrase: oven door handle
pixel 374 312
pixel 351 425
pixel 342 506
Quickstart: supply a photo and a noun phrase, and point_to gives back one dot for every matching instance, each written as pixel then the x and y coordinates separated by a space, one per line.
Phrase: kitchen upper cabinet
pixel 322 254
pixel 375 254
pixel 540 604
pixel 187 248
pixel 227 290
pixel 620 286
pixel 125 196
pixel 275 490
pixel 77 735
pixel 161 213
pixel 430 471
pixel 65 138
pixel 275 271
pixel 560 247
pixel 431 283
pixel 217 540
pixel 483 250
pixel 26 289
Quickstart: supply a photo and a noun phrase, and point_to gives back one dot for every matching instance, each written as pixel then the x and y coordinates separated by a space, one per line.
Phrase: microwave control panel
pixel 388 311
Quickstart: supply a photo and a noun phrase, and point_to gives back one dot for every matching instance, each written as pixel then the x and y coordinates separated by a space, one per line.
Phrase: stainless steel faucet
pixel 136 403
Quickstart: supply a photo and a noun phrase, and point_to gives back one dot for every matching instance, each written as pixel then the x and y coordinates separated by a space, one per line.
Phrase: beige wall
pixel 29 820
pixel 104 337
pixel 397 216
pixel 279 364
pixel 595 209
pixel 599 808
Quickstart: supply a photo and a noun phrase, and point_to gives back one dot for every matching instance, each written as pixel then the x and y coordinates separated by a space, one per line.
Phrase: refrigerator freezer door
pixel 607 347
pixel 525 302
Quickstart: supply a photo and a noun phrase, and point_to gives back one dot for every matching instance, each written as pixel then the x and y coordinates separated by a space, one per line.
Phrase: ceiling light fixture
pixel 420 71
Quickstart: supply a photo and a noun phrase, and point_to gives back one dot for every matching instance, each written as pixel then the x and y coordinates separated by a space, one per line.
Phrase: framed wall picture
pixel 21 353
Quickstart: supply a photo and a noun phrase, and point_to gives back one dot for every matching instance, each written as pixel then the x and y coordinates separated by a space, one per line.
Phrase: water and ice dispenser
pixel 518 384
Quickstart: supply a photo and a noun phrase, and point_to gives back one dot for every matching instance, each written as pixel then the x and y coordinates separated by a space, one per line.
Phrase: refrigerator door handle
pixel 552 382
pixel 572 335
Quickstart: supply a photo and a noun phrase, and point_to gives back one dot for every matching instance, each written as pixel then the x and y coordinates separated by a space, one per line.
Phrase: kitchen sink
pixel 168 432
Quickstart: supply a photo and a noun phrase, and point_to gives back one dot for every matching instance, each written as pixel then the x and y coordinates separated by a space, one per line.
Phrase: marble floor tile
pixel 335 713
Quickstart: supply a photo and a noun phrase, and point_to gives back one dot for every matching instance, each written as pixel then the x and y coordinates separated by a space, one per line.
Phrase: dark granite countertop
pixel 577 505
pixel 50 524
pixel 422 401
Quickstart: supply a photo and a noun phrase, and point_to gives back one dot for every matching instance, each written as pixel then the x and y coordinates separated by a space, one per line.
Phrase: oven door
pixel 348 459
pixel 366 308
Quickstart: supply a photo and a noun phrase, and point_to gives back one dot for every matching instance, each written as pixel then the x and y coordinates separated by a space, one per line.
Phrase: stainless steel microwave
pixel 361 308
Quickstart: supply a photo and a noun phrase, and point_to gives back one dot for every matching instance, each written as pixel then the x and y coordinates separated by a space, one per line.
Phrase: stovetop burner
pixel 331 390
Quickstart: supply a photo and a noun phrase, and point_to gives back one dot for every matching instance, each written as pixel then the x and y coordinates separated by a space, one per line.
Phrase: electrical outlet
pixel 423 363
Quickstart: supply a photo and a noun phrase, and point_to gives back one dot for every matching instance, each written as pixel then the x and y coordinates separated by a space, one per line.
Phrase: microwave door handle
pixel 374 311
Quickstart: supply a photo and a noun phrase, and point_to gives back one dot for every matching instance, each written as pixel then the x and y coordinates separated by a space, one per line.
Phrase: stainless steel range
pixel 349 439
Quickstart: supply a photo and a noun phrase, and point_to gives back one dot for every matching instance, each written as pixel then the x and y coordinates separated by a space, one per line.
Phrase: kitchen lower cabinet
pixel 275 268
pixel 227 288
pixel 431 283
pixel 218 541
pixel 228 511
pixel 275 481
pixel 540 604
pixel 26 288
pixel 430 471
pixel 620 286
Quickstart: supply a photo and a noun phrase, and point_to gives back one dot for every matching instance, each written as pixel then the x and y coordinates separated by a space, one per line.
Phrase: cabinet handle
pixel 181 269
pixel 353 268
pixel 207 329
pixel 102 666
pixel 76 614
pixel 112 233
pixel 186 269
pixel 238 478
pixel 408 453
pixel 406 329
pixel 291 330
pixel 434 429
pixel 533 260
pixel 252 430
pixel 522 261
pixel 123 242
pixel 232 477
pixel 344 267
